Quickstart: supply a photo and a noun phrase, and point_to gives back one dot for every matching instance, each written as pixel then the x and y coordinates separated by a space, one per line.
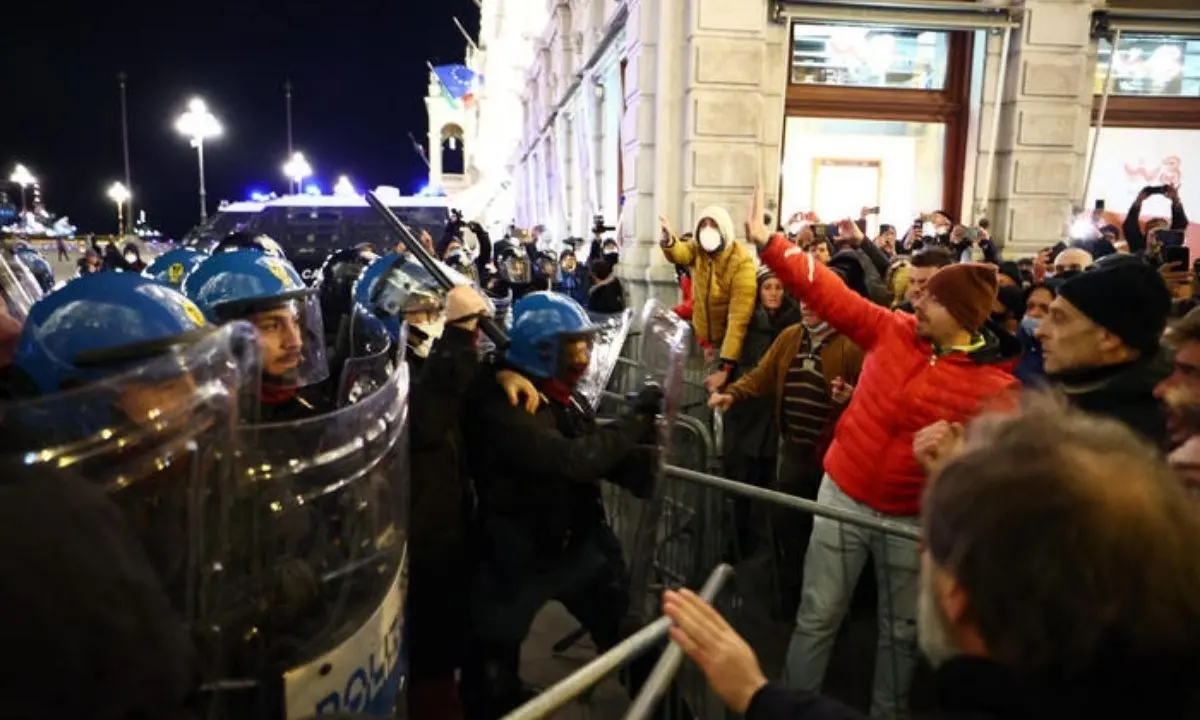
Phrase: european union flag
pixel 459 81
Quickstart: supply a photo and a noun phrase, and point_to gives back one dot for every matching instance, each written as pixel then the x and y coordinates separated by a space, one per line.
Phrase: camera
pixel 456 217
pixel 598 226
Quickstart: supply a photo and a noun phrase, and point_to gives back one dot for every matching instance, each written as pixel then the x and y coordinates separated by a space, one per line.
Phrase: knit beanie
pixel 764 274
pixel 1128 299
pixel 966 290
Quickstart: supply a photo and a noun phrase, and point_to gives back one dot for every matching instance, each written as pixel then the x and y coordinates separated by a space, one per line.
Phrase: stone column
pixel 1044 119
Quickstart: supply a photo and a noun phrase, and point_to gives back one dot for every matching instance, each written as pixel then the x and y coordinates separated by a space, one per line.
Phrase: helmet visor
pixel 291 337
pixel 18 288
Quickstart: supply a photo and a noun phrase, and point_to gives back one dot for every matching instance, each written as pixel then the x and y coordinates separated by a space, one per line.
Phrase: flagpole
pixel 465 34
pixel 449 95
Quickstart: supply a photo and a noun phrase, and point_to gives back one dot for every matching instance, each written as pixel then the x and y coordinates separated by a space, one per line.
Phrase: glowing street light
pixel 21 176
pixel 198 125
pixel 296 169
pixel 120 195
pixel 344 187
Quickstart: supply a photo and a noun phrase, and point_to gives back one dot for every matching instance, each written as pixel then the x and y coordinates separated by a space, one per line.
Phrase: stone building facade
pixel 635 109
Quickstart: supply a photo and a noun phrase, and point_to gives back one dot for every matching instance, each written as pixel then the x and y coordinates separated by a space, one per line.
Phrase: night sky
pixel 357 69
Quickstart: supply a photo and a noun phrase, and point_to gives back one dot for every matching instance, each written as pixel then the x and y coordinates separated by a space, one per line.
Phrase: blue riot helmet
pixel 396 288
pixel 38 266
pixel 335 285
pixel 267 291
pixel 99 324
pixel 550 337
pixel 173 266
pixel 243 240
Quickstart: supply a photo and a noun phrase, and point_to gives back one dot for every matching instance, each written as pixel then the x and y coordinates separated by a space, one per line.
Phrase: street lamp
pixel 344 187
pixel 119 194
pixel 21 176
pixel 198 124
pixel 297 168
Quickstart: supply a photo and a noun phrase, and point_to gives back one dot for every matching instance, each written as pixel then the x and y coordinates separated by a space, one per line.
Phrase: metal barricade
pixel 579 682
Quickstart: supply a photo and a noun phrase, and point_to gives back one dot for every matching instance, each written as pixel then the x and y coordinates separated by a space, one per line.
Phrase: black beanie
pixel 1130 300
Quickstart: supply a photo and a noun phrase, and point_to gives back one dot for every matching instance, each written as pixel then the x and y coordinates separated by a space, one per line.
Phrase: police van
pixel 230 217
pixel 309 227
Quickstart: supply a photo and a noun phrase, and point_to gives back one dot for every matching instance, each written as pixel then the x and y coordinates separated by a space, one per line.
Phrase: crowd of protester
pixel 1036 418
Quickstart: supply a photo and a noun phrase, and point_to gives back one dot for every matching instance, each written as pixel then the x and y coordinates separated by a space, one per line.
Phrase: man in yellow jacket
pixel 723 286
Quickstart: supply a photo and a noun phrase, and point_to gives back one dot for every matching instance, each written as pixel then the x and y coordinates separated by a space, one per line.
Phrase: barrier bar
pixel 798 503
pixel 585 677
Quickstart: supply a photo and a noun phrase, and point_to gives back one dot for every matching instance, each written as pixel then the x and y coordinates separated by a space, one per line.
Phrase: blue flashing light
pixel 259 196
pixel 429 190
pixel 312 189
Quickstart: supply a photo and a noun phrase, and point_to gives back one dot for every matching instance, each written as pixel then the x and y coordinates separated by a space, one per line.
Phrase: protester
pixel 1144 241
pixel 1058 580
pixel 133 259
pixel 751 433
pixel 1100 344
pixel 924 264
pixel 1183 339
pixel 724 288
pixel 1030 370
pixel 605 294
pixel 806 378
pixel 939 365
pixel 1071 262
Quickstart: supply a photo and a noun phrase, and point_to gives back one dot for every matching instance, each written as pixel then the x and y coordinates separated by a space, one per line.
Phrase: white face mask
pixel 433 331
pixel 710 239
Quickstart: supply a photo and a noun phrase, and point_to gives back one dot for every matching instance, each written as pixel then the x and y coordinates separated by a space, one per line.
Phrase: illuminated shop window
pixel 1150 65
pixel 869 56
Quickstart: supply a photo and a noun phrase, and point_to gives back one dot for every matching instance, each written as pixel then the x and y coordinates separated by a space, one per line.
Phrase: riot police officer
pixel 514 273
pixel 266 290
pixel 542 528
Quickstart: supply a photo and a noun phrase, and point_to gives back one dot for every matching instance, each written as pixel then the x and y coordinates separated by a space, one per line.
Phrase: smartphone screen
pixel 1169 238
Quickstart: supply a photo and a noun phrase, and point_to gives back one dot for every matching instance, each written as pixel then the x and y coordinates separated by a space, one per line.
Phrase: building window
pixel 869 56
pixel 1151 65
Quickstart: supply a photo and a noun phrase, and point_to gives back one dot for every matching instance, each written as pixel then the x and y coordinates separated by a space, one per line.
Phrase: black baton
pixel 488 325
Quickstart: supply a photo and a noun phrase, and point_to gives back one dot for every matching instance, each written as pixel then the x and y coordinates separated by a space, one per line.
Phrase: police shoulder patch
pixel 175 273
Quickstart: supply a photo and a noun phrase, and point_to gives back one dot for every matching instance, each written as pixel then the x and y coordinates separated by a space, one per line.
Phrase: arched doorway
pixel 453 156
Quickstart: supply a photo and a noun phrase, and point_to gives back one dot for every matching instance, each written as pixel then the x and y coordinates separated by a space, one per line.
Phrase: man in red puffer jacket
pixel 938 366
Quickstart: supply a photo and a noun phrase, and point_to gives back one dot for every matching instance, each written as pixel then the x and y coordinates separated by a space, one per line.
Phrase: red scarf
pixel 272 394
pixel 560 389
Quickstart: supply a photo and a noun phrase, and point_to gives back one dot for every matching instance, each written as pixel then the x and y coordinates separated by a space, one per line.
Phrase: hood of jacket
pixel 999 346
pixel 720 216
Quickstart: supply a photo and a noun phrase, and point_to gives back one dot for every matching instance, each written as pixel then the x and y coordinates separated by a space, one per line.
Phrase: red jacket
pixel 904 385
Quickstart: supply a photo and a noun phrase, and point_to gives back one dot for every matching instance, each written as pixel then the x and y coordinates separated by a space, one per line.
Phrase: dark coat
pixel 440 508
pixel 1122 392
pixel 751 429
pixel 970 688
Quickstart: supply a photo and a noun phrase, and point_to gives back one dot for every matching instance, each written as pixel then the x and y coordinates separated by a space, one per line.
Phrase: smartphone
pixel 1099 204
pixel 1178 255
pixel 873 210
pixel 1169 238
pixel 1156 189
pixel 819 230
pixel 971 233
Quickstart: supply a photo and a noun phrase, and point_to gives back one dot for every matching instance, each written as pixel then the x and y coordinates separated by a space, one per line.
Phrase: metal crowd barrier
pixel 698 527
pixel 583 679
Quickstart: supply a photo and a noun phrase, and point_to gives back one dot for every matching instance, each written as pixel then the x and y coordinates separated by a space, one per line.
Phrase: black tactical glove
pixel 648 401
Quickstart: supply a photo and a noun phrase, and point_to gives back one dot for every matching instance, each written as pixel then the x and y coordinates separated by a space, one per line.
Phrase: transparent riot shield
pixel 606 353
pixel 663 356
pixel 19 290
pixel 323 517
pixel 161 438
pixel 371 357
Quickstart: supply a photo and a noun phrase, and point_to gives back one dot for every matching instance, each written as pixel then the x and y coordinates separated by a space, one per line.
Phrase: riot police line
pixel 319 510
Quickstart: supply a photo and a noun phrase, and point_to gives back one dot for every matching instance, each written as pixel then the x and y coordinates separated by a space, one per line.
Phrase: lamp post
pixel 198 124
pixel 21 176
pixel 296 169
pixel 344 187
pixel 120 195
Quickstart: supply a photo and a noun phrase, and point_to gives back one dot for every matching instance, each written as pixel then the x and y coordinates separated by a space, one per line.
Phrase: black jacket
pixel 1122 392
pixel 750 426
pixel 539 474
pixel 608 299
pixel 439 512
pixel 977 689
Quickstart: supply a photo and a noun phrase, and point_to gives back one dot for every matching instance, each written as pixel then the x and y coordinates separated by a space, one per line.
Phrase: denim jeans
pixel 834 561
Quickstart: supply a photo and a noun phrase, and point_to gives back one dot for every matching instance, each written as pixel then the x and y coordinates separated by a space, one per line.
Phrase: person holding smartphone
pixel 1145 242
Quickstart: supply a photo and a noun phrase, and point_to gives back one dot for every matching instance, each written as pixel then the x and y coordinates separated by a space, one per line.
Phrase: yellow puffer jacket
pixel 724 287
